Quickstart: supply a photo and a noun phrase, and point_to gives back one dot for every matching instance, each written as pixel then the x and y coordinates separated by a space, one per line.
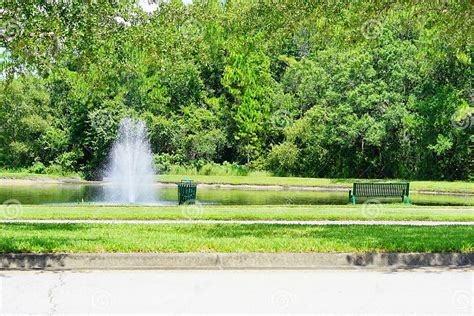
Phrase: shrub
pixel 283 158
pixel 20 154
pixel 226 169
pixel 54 169
pixel 164 162
pixel 183 170
pixel 199 167
pixel 68 160
pixel 38 168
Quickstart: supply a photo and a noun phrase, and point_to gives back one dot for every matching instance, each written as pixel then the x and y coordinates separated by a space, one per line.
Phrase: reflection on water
pixel 78 193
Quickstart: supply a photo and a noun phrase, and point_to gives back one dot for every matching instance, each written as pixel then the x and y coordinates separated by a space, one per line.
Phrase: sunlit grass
pixel 247 212
pixel 41 238
pixel 22 174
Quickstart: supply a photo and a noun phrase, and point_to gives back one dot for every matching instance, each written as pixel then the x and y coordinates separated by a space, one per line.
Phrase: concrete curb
pixel 231 261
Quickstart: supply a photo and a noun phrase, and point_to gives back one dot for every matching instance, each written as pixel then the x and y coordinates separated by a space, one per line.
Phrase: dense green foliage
pixel 323 89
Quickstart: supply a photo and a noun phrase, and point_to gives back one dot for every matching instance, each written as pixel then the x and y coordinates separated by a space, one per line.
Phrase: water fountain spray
pixel 130 170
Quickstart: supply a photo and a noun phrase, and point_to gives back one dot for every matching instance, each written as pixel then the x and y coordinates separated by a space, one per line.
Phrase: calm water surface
pixel 77 193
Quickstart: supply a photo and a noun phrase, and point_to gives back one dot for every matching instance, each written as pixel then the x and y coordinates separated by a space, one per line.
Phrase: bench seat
pixel 380 190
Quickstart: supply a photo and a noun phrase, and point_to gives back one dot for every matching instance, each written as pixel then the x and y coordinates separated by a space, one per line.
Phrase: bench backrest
pixel 382 189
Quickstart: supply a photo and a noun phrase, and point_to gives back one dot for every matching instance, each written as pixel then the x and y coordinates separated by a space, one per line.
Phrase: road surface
pixel 189 291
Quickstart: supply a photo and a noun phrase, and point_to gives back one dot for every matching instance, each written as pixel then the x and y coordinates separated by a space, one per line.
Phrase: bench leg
pixel 408 200
pixel 353 200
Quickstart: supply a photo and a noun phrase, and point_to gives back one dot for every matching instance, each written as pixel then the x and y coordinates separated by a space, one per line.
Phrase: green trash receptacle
pixel 187 191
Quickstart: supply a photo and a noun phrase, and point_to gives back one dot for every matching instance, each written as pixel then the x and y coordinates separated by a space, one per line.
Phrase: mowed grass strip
pixel 446 186
pixel 247 212
pixel 98 238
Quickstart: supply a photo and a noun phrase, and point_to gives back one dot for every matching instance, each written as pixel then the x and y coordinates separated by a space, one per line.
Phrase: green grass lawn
pixel 55 238
pixel 456 186
pixel 283 212
pixel 21 174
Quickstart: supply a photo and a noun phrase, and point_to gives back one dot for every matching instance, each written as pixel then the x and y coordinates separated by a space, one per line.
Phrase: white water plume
pixel 130 170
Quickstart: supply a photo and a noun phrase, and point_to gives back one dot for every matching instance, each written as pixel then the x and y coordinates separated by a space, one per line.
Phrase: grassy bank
pixel 24 174
pixel 53 238
pixel 284 212
pixel 455 186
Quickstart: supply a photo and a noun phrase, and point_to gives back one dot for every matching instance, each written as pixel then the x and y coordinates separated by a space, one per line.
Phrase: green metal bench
pixel 380 190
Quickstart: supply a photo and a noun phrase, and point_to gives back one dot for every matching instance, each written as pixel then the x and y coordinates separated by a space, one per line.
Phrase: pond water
pixel 78 193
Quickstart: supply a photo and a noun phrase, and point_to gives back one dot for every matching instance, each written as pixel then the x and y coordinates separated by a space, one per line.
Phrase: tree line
pixel 307 88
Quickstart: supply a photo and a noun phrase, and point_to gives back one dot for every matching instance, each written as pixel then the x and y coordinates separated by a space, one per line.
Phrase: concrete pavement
pixel 244 292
